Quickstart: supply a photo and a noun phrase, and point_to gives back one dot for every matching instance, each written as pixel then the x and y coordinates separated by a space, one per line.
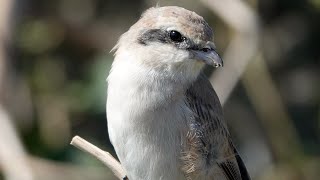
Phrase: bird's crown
pixel 188 23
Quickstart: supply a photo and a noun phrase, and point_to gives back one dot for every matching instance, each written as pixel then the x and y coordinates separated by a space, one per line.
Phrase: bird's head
pixel 170 38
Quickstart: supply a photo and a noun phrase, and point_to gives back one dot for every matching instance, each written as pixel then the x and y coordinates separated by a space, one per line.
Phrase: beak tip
pixel 216 65
pixel 211 58
pixel 217 60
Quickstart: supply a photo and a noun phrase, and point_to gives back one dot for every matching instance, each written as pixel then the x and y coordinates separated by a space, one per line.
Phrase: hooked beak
pixel 208 56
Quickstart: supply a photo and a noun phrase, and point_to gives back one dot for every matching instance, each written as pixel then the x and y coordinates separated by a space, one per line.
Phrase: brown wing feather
pixel 209 151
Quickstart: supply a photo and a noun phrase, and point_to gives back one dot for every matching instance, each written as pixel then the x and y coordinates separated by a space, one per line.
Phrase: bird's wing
pixel 209 150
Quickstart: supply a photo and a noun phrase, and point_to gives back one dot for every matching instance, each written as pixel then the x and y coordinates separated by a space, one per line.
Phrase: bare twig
pixel 105 157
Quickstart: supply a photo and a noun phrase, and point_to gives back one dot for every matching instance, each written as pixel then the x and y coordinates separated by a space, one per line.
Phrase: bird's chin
pixel 195 67
pixel 199 64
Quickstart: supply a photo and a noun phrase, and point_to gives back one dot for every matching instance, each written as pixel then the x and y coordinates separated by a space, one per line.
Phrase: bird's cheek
pixel 183 56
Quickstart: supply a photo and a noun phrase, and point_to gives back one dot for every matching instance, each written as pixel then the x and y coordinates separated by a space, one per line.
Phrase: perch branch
pixel 105 157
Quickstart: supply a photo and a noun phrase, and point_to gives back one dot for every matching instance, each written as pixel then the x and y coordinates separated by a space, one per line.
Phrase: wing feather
pixel 209 150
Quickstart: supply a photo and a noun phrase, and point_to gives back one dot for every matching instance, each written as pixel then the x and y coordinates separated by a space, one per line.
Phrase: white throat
pixel 153 81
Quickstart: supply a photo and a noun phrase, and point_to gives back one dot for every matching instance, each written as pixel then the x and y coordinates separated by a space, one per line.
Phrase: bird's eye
pixel 176 36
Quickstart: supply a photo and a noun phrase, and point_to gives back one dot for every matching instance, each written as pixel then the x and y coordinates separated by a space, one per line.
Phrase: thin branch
pixel 105 157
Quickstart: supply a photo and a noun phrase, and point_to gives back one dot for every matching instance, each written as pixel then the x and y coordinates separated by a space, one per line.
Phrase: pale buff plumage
pixel 164 119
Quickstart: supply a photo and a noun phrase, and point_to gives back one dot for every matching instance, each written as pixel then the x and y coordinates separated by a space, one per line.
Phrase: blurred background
pixel 54 60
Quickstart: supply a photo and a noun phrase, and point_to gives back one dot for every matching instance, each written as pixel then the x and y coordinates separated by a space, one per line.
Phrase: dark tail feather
pixel 243 170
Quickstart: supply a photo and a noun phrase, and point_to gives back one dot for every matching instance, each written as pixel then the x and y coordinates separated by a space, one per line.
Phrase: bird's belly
pixel 150 161
pixel 148 143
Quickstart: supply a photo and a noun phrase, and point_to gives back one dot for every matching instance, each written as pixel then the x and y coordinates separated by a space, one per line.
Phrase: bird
pixel 165 120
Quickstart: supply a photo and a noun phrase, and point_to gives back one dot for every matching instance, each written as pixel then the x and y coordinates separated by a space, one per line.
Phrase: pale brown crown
pixel 187 22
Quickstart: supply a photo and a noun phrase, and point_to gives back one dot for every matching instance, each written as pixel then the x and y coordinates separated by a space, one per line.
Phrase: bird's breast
pixel 147 138
pixel 147 121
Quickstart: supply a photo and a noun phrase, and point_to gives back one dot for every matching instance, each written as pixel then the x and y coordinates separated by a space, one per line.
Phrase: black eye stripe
pixel 163 36
pixel 153 35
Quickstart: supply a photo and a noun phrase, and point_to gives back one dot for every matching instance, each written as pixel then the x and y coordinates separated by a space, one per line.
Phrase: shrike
pixel 165 120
